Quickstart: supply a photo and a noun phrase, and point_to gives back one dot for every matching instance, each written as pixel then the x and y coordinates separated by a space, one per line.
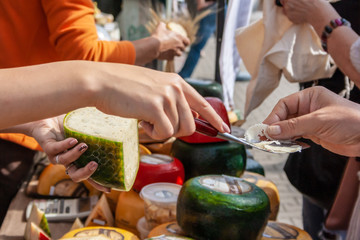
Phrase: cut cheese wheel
pixel 167 229
pixel 129 209
pixel 210 158
pixel 53 181
pixel 220 109
pixel 36 233
pixel 269 188
pixel 222 207
pixel 94 233
pixel 158 168
pixel 112 142
pixel 38 218
pixel 101 214
pixel 77 224
pixel 283 231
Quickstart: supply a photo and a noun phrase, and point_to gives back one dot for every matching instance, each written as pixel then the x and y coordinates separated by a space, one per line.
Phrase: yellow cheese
pixel 167 229
pixel 269 188
pixel 276 230
pixel 100 233
pixel 101 215
pixel 129 209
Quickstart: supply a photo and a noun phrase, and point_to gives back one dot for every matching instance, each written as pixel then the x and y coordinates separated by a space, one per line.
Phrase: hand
pixel 320 115
pixel 171 43
pixel 49 134
pixel 163 101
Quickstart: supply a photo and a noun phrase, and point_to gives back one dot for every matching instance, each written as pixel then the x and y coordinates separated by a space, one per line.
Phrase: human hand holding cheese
pixel 320 115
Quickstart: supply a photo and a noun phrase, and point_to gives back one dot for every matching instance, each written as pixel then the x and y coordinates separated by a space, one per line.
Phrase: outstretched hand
pixel 320 115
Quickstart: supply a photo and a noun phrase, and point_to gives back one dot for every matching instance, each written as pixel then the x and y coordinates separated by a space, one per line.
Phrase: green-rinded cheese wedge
pixel 222 207
pixel 113 143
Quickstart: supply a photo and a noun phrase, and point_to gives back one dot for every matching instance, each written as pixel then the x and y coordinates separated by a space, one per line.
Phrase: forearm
pixel 339 41
pixel 147 49
pixel 37 92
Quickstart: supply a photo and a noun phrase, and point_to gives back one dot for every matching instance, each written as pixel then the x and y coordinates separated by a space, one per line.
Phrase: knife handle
pixel 205 128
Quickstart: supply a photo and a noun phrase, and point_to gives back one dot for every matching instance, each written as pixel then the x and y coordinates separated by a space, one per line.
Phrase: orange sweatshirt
pixel 41 31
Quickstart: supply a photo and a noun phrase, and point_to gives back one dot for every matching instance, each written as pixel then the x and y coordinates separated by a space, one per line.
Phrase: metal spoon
pixel 206 128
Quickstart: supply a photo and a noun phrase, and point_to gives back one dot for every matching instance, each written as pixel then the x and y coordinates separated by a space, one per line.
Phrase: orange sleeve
pixel 21 139
pixel 73 32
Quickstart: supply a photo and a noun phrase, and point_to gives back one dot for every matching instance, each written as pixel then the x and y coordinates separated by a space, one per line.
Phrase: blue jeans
pixel 207 27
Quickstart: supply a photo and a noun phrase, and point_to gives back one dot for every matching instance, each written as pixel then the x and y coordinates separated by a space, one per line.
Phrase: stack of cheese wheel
pixel 222 207
pixel 269 188
pixel 203 155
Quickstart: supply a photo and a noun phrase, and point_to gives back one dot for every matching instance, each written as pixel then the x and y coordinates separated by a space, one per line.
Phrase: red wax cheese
pixel 158 168
pixel 196 137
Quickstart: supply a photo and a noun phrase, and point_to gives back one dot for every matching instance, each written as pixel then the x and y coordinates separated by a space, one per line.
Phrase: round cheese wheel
pixel 129 209
pixel 158 168
pixel 167 229
pixel 196 137
pixel 222 207
pixel 276 230
pixel 269 188
pixel 210 158
pixel 107 232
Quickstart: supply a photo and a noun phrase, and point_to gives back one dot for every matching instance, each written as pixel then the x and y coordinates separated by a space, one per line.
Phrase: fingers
pixel 294 127
pixel 69 156
pixel 200 105
pixel 99 187
pixel 80 174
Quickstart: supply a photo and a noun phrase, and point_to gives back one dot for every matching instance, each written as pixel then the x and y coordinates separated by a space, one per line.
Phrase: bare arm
pixel 319 13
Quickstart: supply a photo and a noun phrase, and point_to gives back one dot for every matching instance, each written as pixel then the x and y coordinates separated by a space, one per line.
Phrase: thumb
pixel 291 128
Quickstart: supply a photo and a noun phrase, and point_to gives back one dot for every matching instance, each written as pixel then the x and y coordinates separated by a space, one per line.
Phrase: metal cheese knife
pixel 206 128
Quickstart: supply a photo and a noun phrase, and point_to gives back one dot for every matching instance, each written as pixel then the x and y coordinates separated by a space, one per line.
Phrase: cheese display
pixel 269 188
pixel 167 229
pixel 129 209
pixel 36 221
pixel 112 142
pixel 101 214
pixel 53 181
pixel 160 203
pixel 198 138
pixel 100 233
pixel 158 168
pixel 276 230
pixel 210 158
pixel 222 207
pixel 257 135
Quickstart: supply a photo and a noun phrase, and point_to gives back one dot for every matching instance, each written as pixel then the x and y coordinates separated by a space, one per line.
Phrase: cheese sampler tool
pixel 272 146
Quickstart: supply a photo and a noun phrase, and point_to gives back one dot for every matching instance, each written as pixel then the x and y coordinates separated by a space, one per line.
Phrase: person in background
pixel 207 27
pixel 317 172
pixel 30 95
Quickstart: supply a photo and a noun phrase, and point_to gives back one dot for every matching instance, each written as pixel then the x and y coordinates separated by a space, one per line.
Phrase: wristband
pixel 328 29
